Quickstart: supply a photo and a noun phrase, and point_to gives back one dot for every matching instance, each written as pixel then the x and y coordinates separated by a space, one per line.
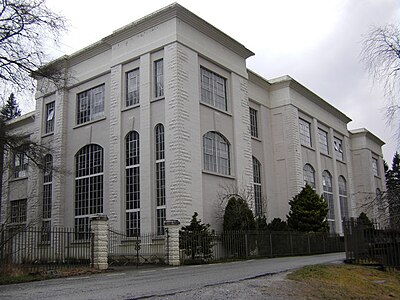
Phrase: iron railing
pixel 371 244
pixel 136 250
pixel 37 248
pixel 197 247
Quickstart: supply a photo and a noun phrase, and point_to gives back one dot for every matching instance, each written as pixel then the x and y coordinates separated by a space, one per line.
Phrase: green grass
pixel 347 282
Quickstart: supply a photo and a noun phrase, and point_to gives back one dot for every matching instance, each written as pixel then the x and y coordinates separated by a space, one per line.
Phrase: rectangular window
pixel 90 104
pixel 337 144
pixel 159 78
pixel 18 211
pixel 133 223
pixel 213 89
pixel 375 166
pixel 305 133
pixel 132 87
pixel 21 163
pixel 323 141
pixel 253 122
pixel 50 117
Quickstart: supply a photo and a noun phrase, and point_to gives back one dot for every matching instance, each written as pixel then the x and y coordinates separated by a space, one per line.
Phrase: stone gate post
pixel 172 244
pixel 99 229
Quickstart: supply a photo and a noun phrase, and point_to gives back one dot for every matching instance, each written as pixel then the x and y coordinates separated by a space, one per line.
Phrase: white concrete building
pixel 156 119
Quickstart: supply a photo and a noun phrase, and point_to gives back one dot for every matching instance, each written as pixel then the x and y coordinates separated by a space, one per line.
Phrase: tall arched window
pixel 344 209
pixel 216 153
pixel 47 196
pixel 88 187
pixel 160 177
pixel 328 196
pixel 309 175
pixel 132 170
pixel 257 186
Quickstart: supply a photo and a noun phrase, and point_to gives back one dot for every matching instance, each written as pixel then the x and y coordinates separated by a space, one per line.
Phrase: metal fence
pixel 136 250
pixel 370 244
pixel 198 247
pixel 36 248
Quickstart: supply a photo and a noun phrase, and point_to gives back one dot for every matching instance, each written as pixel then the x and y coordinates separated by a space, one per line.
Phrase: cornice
pixel 150 21
pixel 287 81
pixel 258 79
pixel 368 134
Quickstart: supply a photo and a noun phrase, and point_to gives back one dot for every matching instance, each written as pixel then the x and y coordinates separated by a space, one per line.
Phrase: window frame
pixel 89 187
pixel 90 104
pixel 18 211
pixel 159 83
pixel 257 185
pixel 338 147
pixel 213 92
pixel 309 170
pixel 305 133
pixel 134 99
pixel 50 117
pixel 323 141
pixel 20 162
pixel 160 201
pixel 132 184
pixel 343 197
pixel 216 153
pixel 375 169
pixel 253 122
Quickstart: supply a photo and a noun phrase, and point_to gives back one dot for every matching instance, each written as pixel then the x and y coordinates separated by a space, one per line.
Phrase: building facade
pixel 158 119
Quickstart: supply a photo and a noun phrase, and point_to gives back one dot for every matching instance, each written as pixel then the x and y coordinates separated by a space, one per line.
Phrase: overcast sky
pixel 316 42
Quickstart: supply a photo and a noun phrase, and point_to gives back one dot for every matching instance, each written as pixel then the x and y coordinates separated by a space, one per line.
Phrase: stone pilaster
pixel 172 245
pixel 99 228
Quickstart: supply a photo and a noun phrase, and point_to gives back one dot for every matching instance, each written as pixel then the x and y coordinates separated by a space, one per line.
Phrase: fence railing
pixel 198 247
pixel 144 249
pixel 37 248
pixel 370 244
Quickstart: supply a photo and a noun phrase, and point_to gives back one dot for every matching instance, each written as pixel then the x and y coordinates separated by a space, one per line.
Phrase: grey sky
pixel 315 42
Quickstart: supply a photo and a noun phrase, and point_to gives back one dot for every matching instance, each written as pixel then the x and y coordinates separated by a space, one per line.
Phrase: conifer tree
pixel 393 191
pixel 10 110
pixel 238 215
pixel 308 212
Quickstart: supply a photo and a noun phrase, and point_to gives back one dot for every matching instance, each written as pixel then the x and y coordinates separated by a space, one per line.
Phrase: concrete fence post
pixel 99 229
pixel 172 244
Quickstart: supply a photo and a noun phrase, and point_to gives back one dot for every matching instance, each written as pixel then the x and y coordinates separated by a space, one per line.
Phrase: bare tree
pixel 26 29
pixel 381 56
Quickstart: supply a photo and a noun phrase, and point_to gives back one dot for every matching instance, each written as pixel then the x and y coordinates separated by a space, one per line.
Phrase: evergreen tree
pixel 364 220
pixel 278 225
pixel 238 215
pixel 10 110
pixel 196 238
pixel 308 212
pixel 393 191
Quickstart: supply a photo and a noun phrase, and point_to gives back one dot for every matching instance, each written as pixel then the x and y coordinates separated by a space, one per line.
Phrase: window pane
pixel 309 175
pixel 253 123
pixel 305 133
pixel 323 141
pixel 213 89
pixel 159 78
pixel 216 153
pixel 132 87
pixel 90 104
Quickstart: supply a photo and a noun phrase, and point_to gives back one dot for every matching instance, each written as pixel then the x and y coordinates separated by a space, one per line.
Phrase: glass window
pixel 328 194
pixel 50 112
pixel 88 187
pixel 132 184
pixel 253 122
pixel 344 209
pixel 216 153
pixel 21 162
pixel 132 87
pixel 90 105
pixel 375 166
pixel 309 175
pixel 158 78
pixel 305 133
pixel 323 141
pixel 18 211
pixel 213 89
pixel 47 186
pixel 337 144
pixel 160 178
pixel 257 187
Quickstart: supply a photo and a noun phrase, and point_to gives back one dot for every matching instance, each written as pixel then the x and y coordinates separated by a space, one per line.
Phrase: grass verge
pixel 347 282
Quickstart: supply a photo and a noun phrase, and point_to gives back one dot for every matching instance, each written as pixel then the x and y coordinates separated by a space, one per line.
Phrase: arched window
pixel 132 170
pixel 328 196
pixel 88 187
pixel 257 186
pixel 216 153
pixel 309 175
pixel 160 177
pixel 47 196
pixel 344 209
